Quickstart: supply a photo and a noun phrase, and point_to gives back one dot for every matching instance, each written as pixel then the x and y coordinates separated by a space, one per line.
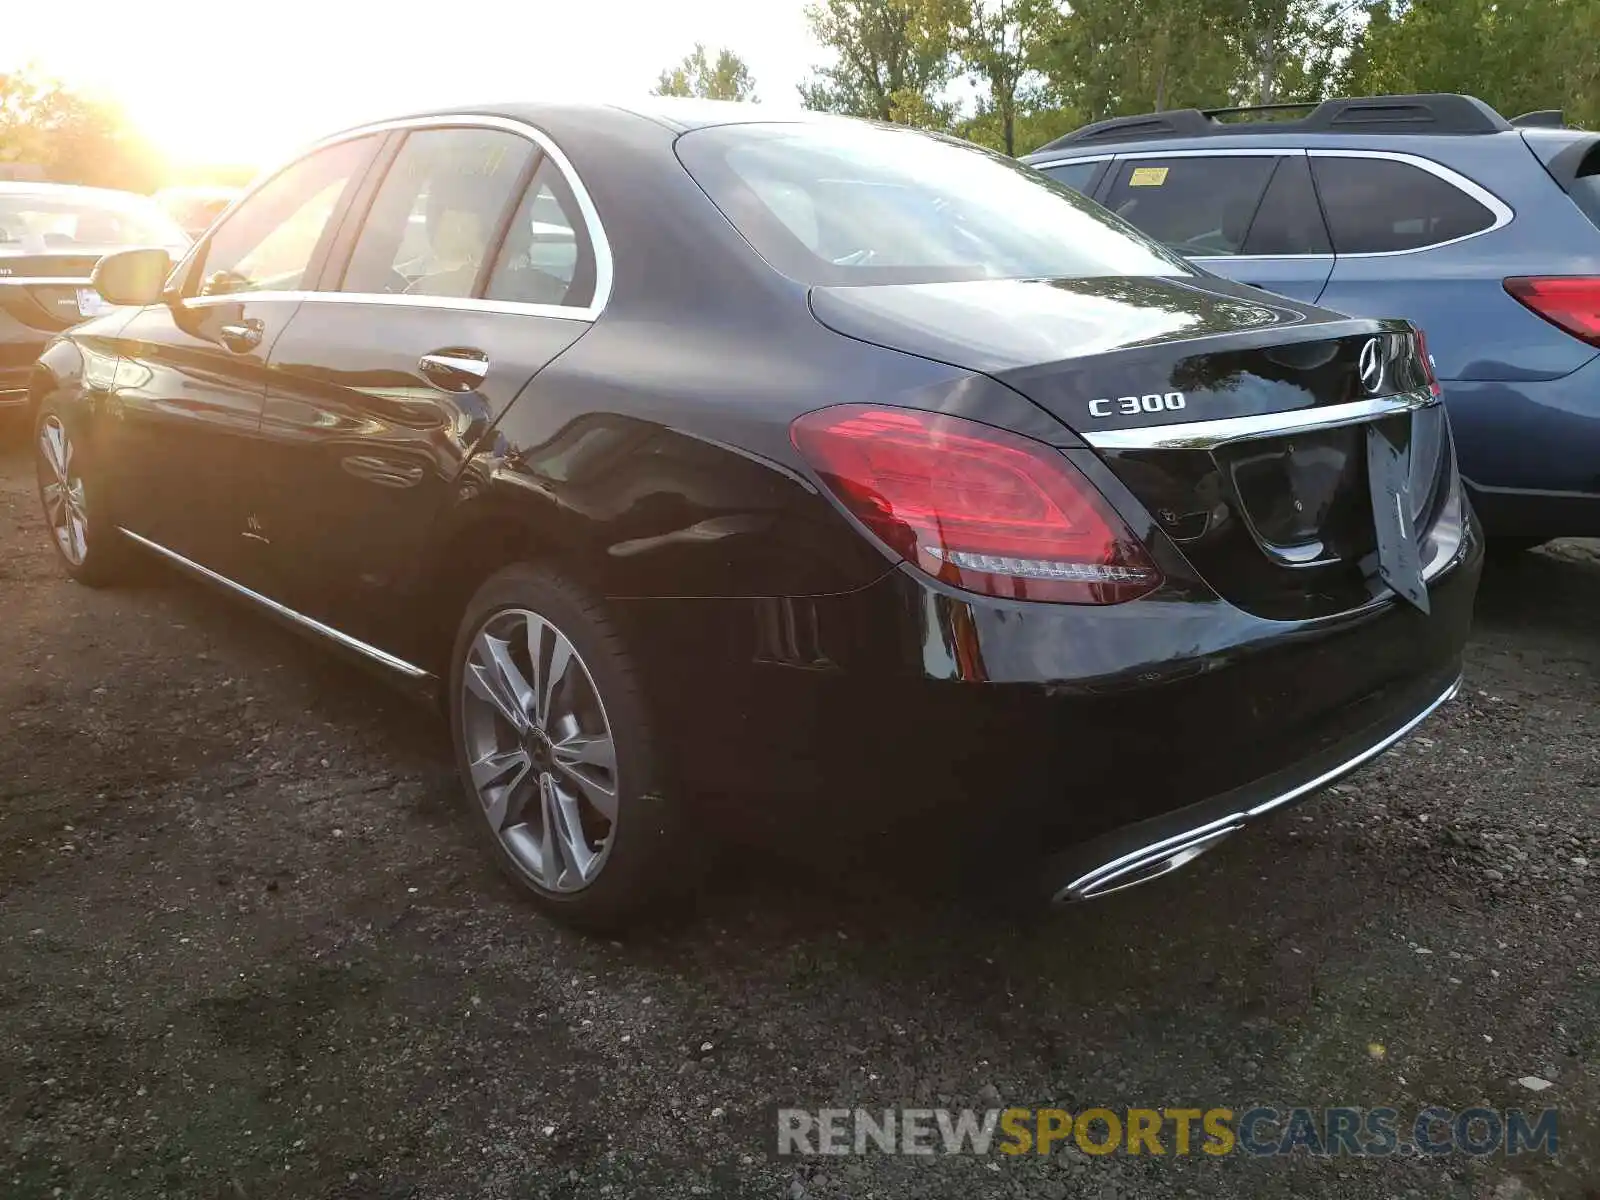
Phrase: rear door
pixel 478 260
pixel 192 375
pixel 1250 216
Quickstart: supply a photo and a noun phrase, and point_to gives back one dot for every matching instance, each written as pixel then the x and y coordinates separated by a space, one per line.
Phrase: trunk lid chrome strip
pixel 1207 435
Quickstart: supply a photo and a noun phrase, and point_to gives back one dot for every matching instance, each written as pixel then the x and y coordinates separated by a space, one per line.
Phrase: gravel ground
pixel 247 949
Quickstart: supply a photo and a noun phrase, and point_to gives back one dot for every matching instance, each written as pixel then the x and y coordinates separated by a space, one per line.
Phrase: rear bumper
pixel 951 725
pixel 1149 849
pixel 1529 452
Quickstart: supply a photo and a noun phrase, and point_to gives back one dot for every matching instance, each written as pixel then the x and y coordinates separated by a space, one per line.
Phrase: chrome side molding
pixel 1161 857
pixel 1207 435
pixel 382 657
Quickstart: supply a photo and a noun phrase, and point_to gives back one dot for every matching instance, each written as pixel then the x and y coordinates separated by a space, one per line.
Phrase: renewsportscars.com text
pixel 1259 1131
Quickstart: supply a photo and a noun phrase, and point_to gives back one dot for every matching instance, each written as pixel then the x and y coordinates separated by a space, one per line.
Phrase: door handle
pixel 241 336
pixel 454 369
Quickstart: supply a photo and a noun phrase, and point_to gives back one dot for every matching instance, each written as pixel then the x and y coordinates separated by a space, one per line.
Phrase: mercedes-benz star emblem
pixel 1371 364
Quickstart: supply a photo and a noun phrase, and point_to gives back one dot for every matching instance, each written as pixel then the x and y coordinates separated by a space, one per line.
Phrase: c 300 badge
pixel 1127 406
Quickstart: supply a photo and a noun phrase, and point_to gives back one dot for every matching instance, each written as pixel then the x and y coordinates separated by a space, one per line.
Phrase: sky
pixel 210 81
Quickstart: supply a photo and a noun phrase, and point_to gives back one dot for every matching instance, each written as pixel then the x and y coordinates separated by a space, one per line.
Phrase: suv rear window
pixel 1585 186
pixel 844 203
pixel 1377 205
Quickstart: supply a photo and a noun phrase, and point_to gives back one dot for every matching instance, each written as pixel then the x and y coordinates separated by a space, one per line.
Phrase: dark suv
pixel 1484 232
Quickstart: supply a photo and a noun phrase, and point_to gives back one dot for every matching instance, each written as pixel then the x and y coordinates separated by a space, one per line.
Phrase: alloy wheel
pixel 539 749
pixel 61 489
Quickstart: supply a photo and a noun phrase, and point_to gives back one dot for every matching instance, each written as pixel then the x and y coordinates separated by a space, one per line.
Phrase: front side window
pixel 270 241
pixel 1378 205
pixel 1197 205
pixel 547 257
pixel 843 203
pixel 436 218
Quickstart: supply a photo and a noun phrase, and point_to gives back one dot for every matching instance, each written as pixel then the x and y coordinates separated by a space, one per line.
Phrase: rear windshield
pixel 851 203
pixel 1585 192
pixel 42 222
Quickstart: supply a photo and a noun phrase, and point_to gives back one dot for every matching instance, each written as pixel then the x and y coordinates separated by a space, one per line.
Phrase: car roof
pixel 65 191
pixel 1436 114
pixel 1432 147
pixel 678 114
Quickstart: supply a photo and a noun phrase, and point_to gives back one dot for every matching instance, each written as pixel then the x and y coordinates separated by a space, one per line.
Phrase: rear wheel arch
pixel 473 543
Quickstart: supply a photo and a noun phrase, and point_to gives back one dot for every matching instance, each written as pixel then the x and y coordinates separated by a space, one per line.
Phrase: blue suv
pixel 1484 232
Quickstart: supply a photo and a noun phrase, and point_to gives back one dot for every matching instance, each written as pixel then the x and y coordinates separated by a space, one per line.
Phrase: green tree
pixel 72 138
pixel 1518 55
pixel 1034 127
pixel 998 44
pixel 1289 50
pixel 1111 57
pixel 726 78
pixel 892 59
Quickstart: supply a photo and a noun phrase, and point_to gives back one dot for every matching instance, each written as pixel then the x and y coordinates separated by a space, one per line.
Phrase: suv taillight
pixel 975 506
pixel 1570 302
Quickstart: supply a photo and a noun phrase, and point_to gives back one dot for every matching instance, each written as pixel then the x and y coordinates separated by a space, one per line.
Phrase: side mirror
pixel 132 277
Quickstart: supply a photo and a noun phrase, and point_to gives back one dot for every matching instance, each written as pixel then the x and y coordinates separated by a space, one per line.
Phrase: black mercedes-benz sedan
pixel 51 237
pixel 721 471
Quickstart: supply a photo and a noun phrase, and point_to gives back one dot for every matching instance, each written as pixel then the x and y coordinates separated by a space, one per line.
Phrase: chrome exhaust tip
pixel 1151 862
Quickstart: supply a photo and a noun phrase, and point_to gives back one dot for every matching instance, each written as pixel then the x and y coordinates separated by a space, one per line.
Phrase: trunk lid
pixel 1258 432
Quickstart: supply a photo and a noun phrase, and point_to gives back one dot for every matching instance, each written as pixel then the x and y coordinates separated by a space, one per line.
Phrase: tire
pixel 641 856
pixel 80 526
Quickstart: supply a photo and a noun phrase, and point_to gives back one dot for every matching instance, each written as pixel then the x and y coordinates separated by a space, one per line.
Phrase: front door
pixel 191 379
pixel 473 269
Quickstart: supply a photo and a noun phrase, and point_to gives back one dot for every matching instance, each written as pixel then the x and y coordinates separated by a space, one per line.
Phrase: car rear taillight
pixel 1570 302
pixel 1428 372
pixel 975 506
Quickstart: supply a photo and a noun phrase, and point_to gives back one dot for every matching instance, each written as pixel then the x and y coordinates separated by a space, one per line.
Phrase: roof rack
pixel 1433 113
pixel 1544 118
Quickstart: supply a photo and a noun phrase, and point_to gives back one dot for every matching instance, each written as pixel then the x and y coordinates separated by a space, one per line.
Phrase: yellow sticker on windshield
pixel 1147 177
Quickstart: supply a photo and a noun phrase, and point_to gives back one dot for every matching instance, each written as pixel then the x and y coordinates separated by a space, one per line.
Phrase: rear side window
pixel 1378 205
pixel 434 221
pixel 1077 176
pixel 547 257
pixel 1199 205
pixel 1289 221
pixel 842 204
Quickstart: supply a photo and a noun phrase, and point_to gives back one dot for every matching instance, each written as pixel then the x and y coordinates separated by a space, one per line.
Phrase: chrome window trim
pixel 1242 152
pixel 382 657
pixel 604 266
pixel 1067 162
pixel 459 303
pixel 1207 435
pixel 43 281
pixel 1234 152
pixel 1501 211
